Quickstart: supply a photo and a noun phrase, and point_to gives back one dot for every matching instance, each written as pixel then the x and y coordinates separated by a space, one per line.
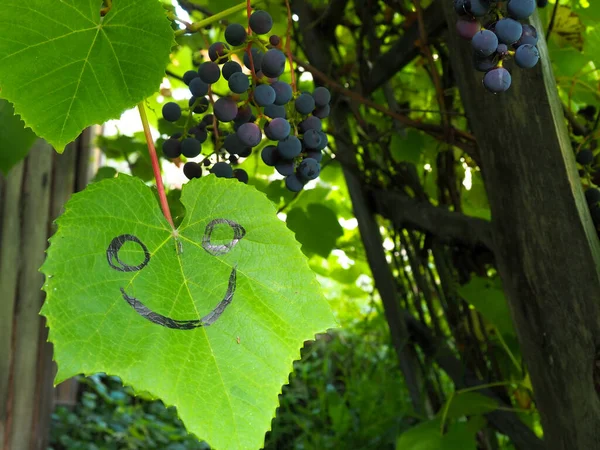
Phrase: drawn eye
pixel 112 256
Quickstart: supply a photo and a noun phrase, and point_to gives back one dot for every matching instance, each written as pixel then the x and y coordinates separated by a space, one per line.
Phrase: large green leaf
pixel 15 139
pixel 225 377
pixel 65 67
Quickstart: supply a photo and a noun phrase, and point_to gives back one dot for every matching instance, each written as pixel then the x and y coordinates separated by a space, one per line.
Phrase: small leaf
pixel 126 297
pixel 15 139
pixel 469 404
pixel 64 67
pixel 316 228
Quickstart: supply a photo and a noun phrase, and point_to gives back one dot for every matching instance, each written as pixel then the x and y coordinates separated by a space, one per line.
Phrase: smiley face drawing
pixel 112 256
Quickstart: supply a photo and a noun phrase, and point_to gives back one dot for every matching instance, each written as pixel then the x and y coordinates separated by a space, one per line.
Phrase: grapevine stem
pixel 288 49
pixel 155 166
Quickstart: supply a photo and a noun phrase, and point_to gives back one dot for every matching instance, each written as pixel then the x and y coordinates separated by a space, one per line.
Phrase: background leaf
pixel 15 139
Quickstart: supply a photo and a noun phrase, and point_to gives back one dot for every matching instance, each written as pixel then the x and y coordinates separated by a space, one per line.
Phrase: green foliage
pixel 15 139
pixel 112 62
pixel 223 378
pixel 316 228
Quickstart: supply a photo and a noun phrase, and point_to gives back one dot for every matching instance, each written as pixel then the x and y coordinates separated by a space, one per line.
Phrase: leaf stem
pixel 218 16
pixel 155 166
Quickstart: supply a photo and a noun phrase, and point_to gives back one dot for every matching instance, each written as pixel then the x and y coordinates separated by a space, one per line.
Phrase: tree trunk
pixel 32 195
pixel 546 247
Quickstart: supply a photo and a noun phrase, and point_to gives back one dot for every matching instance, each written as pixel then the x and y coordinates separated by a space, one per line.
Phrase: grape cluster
pixel 500 39
pixel 258 103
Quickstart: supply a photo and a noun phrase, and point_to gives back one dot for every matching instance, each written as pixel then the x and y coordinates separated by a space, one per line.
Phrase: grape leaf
pixel 130 306
pixel 15 139
pixel 64 67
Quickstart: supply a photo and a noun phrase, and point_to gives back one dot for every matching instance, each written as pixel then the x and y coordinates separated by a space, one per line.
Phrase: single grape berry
pixel 585 157
pixel 171 111
pixel 198 87
pixel 309 169
pixel 171 148
pixel 269 155
pixel 264 95
pixel 592 196
pixel 502 50
pixel 322 96
pixel 229 68
pixel 274 40
pixel 283 92
pixel 289 147
pixel 508 31
pixel 201 104
pixel 261 22
pixel 324 141
pixel 527 56
pixel 521 9
pixel 199 133
pixel 467 28
pixel 190 147
pixel 233 144
pixel 241 175
pixel 235 34
pixel 315 154
pixel 209 72
pixel 222 170
pixel 217 52
pixel 189 76
pixel 225 109
pixel 243 115
pixel 322 112
pixel 478 8
pixel 497 80
pixel 485 63
pixel 305 103
pixel 249 134
pixel 484 43
pixel 239 83
pixel 273 63
pixel 274 111
pixel 284 167
pixel 528 36
pixel 257 57
pixel 310 123
pixel 311 139
pixel 277 129
pixel 192 169
pixel 293 183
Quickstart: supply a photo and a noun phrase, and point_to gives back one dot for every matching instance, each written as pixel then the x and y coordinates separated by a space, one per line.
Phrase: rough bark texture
pixel 31 197
pixel 546 248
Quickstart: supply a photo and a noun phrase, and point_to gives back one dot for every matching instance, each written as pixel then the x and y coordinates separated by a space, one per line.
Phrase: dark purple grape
pixel 293 183
pixel 269 155
pixel 309 169
pixel 249 134
pixel 322 96
pixel 285 167
pixel 264 95
pixel 189 76
pixel 207 120
pixel 315 154
pixel 235 34
pixel 190 147
pixel 233 144
pixel 246 152
pixel 497 80
pixel 261 22
pixel 244 114
pixel 171 111
pixel 199 133
pixel 217 52
pixel 324 141
pixel 171 148
pixel 239 83
pixel 485 63
pixel 592 196
pixel 257 57
pixel 222 170
pixel 241 175
pixel 274 111
pixel 289 147
pixel 527 56
pixel 209 72
pixel 502 50
pixel 461 8
pixel 521 9
pixel 225 109
pixel 305 103
pixel 467 28
pixel 311 139
pixel 192 169
pixel 229 68
pixel 529 36
pixel 477 8
pixel 273 63
pixel 484 43
pixel 274 40
pixel 310 123
pixel 198 87
pixel 201 106
pixel 508 31
pixel 278 129
pixel 585 157
pixel 283 92
pixel 322 113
